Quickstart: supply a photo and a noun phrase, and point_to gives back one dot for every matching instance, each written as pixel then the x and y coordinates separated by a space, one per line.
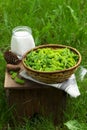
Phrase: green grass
pixel 52 21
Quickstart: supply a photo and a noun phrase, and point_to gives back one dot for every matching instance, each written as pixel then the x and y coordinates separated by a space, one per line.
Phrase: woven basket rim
pixel 53 45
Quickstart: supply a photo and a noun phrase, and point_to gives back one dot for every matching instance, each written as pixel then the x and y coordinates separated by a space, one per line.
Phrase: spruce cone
pixel 11 58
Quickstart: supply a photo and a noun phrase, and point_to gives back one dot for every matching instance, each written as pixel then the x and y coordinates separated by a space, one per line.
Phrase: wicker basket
pixel 56 76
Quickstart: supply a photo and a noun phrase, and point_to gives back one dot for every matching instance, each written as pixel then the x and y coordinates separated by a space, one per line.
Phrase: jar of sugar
pixel 22 40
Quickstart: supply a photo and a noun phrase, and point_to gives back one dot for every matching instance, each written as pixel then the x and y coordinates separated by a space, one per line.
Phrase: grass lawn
pixel 52 21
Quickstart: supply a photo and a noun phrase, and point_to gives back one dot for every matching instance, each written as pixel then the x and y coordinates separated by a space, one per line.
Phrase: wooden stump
pixel 32 98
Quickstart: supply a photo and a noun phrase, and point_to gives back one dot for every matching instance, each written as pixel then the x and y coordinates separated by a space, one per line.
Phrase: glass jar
pixel 22 40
